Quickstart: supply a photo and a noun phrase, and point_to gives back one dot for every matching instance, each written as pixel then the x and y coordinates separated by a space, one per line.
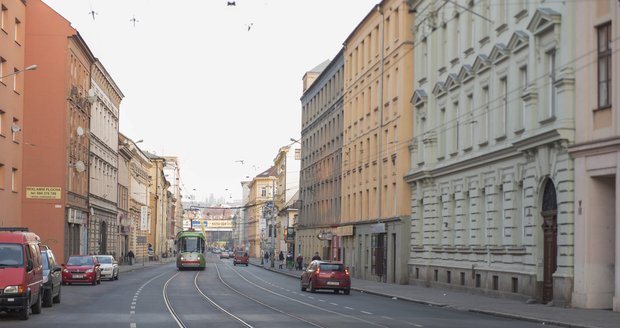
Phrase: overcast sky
pixel 201 86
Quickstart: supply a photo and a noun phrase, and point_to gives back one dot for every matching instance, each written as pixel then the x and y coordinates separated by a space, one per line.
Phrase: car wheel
pixel 24 314
pixel 312 289
pixel 57 298
pixel 347 291
pixel 336 291
pixel 36 308
pixel 47 298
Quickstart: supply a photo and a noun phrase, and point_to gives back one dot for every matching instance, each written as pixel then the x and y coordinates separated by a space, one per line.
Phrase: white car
pixel 109 267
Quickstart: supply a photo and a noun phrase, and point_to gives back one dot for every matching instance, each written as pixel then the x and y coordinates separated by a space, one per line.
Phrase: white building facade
pixel 491 178
pixel 104 221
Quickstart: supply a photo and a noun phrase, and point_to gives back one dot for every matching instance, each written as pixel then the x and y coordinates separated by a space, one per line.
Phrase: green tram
pixel 190 246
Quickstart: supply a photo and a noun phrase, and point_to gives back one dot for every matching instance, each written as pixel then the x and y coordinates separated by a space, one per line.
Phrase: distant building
pixel 261 194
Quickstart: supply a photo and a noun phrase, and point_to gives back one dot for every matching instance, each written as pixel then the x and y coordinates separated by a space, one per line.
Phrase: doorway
pixel 103 238
pixel 550 233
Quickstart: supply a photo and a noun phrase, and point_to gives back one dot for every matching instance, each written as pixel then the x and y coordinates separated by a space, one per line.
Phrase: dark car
pixel 326 275
pixel 241 258
pixel 81 269
pixel 52 277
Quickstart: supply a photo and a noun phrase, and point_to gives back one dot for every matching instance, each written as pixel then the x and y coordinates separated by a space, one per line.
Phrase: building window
pixel 604 65
pixel 263 192
pixel 2 182
pixel 14 180
pixel 520 119
pixel 17 30
pixel 2 68
pixel 15 80
pixel 14 129
pixel 551 88
pixel 4 14
pixel 1 123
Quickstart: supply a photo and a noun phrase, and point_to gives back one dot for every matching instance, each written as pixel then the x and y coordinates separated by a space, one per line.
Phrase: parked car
pixel 21 272
pixel 52 277
pixel 326 275
pixel 81 269
pixel 109 267
pixel 224 255
pixel 241 258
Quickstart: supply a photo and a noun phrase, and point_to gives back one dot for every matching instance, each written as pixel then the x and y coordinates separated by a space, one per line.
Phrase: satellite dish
pixel 80 167
pixel 80 131
pixel 15 128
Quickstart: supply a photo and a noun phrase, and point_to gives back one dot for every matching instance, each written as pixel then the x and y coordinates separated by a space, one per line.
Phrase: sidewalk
pixel 141 265
pixel 566 317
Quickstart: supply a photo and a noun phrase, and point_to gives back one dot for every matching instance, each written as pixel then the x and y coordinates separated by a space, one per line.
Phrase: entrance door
pixel 550 232
pixel 103 248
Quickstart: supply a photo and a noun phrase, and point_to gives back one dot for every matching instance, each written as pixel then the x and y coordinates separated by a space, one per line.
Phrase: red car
pixel 81 269
pixel 241 258
pixel 326 275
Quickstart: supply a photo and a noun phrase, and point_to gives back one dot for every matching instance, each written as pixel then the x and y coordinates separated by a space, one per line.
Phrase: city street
pixel 235 296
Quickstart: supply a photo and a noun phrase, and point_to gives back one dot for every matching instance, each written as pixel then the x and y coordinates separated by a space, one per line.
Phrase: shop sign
pixel 43 192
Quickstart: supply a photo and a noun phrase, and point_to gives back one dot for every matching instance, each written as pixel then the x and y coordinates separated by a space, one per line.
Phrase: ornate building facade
pixel 491 178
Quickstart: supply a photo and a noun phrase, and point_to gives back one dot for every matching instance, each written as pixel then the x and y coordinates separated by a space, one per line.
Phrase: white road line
pixel 349 308
pixel 334 304
pixel 386 317
pixel 321 300
pixel 132 312
pixel 132 325
pixel 133 303
pixel 310 297
pixel 415 324
pixel 365 312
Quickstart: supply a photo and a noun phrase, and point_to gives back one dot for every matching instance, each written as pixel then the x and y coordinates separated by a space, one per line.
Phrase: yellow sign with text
pixel 43 192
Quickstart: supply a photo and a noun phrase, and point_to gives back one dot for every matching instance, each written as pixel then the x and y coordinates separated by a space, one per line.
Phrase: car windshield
pixel 104 259
pixel 46 263
pixel 239 254
pixel 332 267
pixel 11 255
pixel 80 260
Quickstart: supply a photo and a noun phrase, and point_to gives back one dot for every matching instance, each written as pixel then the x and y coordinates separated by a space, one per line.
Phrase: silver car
pixel 109 267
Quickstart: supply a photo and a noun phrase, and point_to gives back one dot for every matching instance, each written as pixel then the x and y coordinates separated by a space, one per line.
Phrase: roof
pixel 320 67
pixel 270 172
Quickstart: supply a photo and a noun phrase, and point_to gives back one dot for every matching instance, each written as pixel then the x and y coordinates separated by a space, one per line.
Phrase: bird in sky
pixel 249 26
pixel 231 3
pixel 134 21
pixel 93 13
pixel 240 161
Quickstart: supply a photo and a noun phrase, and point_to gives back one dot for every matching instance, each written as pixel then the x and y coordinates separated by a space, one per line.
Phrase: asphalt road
pixel 235 296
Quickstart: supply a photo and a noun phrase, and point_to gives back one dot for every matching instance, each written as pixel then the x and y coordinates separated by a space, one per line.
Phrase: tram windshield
pixel 191 244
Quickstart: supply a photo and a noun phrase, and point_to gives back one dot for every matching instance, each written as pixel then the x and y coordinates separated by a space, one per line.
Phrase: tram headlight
pixel 182 258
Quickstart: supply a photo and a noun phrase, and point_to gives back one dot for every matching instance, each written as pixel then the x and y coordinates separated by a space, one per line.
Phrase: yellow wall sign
pixel 43 192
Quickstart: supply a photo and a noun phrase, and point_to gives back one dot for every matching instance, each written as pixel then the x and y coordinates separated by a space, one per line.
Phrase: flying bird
pixel 134 21
pixel 249 26
pixel 231 3
pixel 240 161
pixel 93 13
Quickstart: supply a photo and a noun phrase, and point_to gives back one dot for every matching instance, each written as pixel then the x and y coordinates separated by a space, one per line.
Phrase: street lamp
pixel 29 68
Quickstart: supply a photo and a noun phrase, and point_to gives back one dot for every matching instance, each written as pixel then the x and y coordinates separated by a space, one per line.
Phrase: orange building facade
pixel 12 46
pixel 56 121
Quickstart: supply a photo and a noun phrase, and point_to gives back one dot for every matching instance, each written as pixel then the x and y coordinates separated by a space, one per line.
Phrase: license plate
pixel 333 283
pixel 78 276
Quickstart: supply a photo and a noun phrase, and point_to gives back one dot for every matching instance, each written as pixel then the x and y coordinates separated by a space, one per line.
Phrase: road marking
pixel 321 300
pixel 133 307
pixel 386 317
pixel 334 304
pixel 132 325
pixel 310 297
pixel 349 308
pixel 132 312
pixel 415 324
pixel 365 312
pixel 133 303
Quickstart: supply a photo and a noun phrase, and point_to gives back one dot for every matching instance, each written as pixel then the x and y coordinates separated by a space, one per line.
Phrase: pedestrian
pixel 280 259
pixel 266 257
pixel 130 256
pixel 300 261
pixel 316 257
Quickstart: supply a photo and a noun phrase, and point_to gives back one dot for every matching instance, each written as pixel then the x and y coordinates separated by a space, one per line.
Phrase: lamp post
pixel 29 68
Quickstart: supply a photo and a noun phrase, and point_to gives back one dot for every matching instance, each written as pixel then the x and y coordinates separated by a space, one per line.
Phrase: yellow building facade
pixel 378 84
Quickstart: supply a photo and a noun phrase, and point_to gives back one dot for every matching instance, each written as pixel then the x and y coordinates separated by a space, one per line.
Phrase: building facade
pixel 491 178
pixel 12 54
pixel 378 84
pixel 321 157
pixel 596 153
pixel 103 224
pixel 158 229
pixel 172 172
pixel 55 204
pixel 287 164
pixel 261 194
pixel 125 228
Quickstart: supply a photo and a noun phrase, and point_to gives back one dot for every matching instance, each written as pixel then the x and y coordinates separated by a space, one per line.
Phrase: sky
pixel 209 83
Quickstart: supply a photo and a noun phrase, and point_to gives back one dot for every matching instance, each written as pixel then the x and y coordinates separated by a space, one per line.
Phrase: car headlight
pixel 45 279
pixel 182 258
pixel 13 290
pixel 65 270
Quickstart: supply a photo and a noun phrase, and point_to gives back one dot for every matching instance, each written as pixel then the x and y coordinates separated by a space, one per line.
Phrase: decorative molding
pixel 518 41
pixel 543 20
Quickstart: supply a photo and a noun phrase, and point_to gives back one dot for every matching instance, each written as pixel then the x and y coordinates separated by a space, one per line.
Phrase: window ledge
pixel 601 108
